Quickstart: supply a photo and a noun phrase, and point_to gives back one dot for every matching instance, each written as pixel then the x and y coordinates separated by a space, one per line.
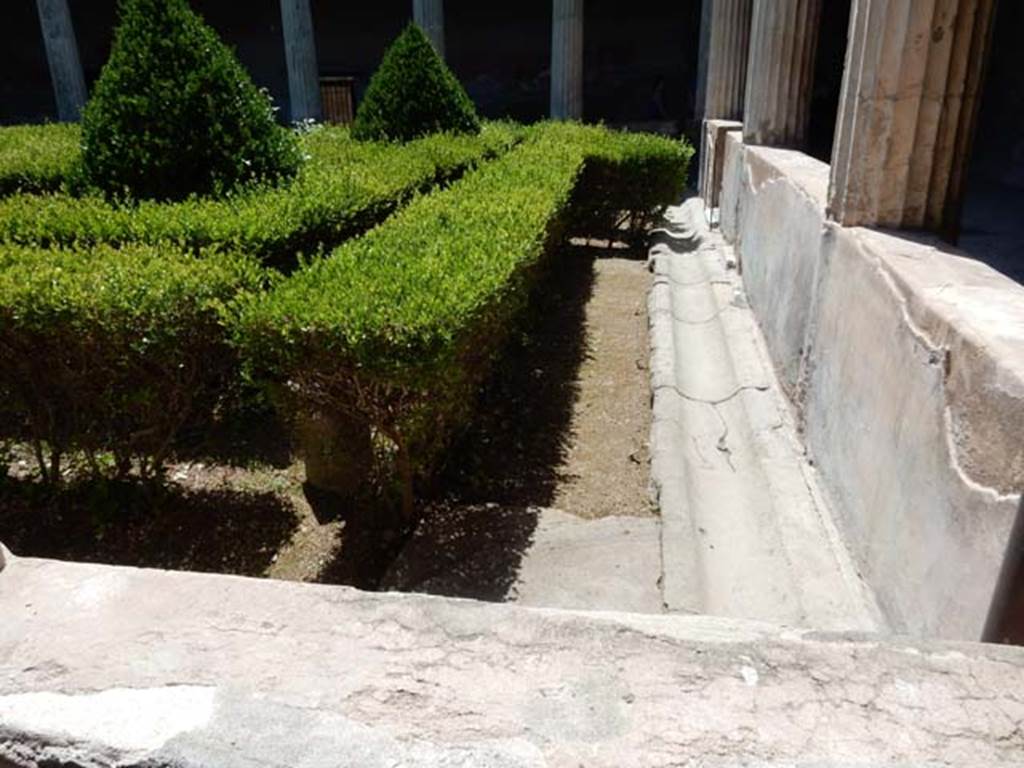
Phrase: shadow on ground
pixel 464 550
pixel 371 539
pixel 130 523
pixel 249 433
pixel 480 517
pixel 514 448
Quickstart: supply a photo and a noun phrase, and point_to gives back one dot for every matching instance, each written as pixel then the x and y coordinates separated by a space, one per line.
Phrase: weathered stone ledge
pixel 102 665
pixel 905 362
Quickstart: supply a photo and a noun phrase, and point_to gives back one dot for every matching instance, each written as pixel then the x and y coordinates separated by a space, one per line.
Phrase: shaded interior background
pixel 640 70
pixel 640 58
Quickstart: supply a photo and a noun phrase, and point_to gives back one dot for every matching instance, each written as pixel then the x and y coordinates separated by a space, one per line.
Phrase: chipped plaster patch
pixel 129 719
pixel 99 589
pixel 750 676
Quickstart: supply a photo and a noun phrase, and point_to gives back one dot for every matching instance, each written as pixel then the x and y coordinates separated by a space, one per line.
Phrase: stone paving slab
pixel 559 560
pixel 103 666
pixel 609 564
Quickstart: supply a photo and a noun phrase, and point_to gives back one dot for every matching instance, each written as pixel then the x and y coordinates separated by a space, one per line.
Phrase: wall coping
pixel 981 302
pixel 973 315
pixel 967 309
pixel 910 393
pixel 808 174
pixel 100 664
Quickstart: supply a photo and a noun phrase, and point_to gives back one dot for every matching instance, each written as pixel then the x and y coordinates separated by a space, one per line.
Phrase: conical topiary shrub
pixel 174 113
pixel 413 94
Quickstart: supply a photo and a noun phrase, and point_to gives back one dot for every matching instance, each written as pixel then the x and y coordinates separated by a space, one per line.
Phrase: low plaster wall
pixel 104 666
pixel 905 362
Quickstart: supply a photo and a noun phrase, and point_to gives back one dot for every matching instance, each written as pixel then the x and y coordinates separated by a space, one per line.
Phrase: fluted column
pixel 300 57
pixel 62 55
pixel 725 46
pixel 567 59
pixel 429 15
pixel 780 72
pixel 907 111
pixel 728 44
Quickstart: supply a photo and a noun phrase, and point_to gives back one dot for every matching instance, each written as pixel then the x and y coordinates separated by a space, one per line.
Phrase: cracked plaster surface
pixel 905 364
pixel 299 675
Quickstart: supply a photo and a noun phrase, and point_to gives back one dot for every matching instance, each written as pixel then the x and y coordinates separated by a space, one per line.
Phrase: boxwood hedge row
pixel 174 113
pixel 112 351
pixel 116 347
pixel 397 329
pixel 37 158
pixel 413 94
pixel 626 179
pixel 344 188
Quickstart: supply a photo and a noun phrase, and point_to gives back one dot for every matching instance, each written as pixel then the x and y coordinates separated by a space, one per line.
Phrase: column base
pixel 712 160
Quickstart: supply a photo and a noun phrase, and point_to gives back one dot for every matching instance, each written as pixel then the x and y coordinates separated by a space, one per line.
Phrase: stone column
pixel 62 55
pixel 907 111
pixel 725 44
pixel 567 59
pixel 300 56
pixel 703 53
pixel 721 90
pixel 780 72
pixel 429 15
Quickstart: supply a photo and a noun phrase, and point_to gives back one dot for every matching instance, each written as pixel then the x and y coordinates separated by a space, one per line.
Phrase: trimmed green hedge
pixel 119 349
pixel 398 328
pixel 174 113
pixel 115 350
pixel 412 94
pixel 37 158
pixel 629 175
pixel 344 188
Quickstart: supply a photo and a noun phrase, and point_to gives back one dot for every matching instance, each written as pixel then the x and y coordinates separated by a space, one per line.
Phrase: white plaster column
pixel 725 46
pixel 780 72
pixel 907 111
pixel 62 55
pixel 703 53
pixel 429 15
pixel 724 61
pixel 300 57
pixel 567 59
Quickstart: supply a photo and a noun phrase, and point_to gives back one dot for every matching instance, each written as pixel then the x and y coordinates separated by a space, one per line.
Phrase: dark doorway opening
pixel 640 63
pixel 828 78
pixel 992 224
pixel 500 52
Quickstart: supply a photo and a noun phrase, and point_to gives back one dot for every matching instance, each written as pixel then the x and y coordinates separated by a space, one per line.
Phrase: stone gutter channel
pixel 746 530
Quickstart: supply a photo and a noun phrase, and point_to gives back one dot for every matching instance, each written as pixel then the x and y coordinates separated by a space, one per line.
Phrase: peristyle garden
pixel 179 262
